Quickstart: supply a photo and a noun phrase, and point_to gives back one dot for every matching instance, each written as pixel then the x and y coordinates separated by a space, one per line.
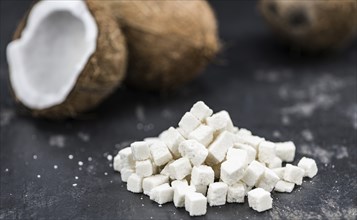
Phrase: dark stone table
pixel 278 94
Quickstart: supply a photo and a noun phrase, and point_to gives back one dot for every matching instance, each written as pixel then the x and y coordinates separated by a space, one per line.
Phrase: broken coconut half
pixel 66 57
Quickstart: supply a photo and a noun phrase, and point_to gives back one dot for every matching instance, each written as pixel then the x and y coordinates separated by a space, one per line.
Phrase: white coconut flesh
pixel 55 45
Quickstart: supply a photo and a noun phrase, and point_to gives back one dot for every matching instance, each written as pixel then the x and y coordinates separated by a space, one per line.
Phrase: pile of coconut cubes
pixel 208 160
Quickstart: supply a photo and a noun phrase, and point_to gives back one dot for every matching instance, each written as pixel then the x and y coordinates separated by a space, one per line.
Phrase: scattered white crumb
pixel 74 184
pixel 105 173
pixel 90 158
pixel 285 120
pixel 109 157
pixel 110 165
pixel 57 141
pixel 34 157
pixel 142 205
pixel 70 156
pixel 38 176
pixel 55 167
pixel 140 113
pixel 6 115
pixel 160 205
pixel 80 168
pixel 276 134
pixel 7 170
pixel 80 163
pixel 307 135
pixel 84 136
pixel 76 177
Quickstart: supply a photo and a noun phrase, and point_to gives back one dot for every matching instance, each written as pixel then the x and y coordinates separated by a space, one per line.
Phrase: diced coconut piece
pixel 253 172
pixel 219 147
pixel 202 175
pixel 195 204
pixel 140 150
pixel 266 151
pixel 152 181
pixel 285 150
pixel 268 180
pixel 160 153
pixel 232 171
pixel 135 183
pixel 172 138
pixel 180 192
pixel 217 193
pixel 189 122
pixel 283 186
pixel 260 200
pixel 201 111
pixel 194 151
pixel 203 134
pixel 293 174
pixel 236 193
pixel 251 152
pixel 309 165
pixel 144 168
pixel 180 168
pixel 220 121
pixel 162 194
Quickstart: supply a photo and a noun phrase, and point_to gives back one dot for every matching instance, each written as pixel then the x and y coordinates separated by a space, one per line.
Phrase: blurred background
pixel 276 91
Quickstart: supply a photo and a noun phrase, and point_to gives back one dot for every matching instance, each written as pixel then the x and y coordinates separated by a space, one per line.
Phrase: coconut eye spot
pixel 55 45
pixel 298 18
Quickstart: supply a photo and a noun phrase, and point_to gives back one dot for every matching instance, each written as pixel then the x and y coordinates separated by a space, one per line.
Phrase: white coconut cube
pixel 180 168
pixel 195 204
pixel 135 183
pixel 144 168
pixel 285 150
pixel 180 192
pixel 251 152
pixel 202 175
pixel 160 153
pixel 237 155
pixel 220 121
pixel 236 193
pixel 309 166
pixel 194 151
pixel 189 122
pixel 266 151
pixel 125 173
pixel 201 111
pixel 283 186
pixel 172 138
pixel 279 172
pixel 203 134
pixel 152 181
pixel 162 194
pixel 232 171
pixel 166 169
pixel 117 163
pixel 140 150
pixel 126 158
pixel 268 180
pixel 250 140
pixel 260 200
pixel 218 148
pixel 275 163
pixel 201 189
pixel 253 172
pixel 244 132
pixel 293 174
pixel 217 193
pixel 177 183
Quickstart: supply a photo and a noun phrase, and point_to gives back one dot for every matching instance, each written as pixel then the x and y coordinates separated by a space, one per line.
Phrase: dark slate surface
pixel 275 93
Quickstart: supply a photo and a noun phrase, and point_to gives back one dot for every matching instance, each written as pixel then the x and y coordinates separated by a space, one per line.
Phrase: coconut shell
pixel 312 25
pixel 101 75
pixel 169 42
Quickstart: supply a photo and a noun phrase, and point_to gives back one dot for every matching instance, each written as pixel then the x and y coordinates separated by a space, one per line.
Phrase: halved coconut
pixel 67 57
pixel 169 42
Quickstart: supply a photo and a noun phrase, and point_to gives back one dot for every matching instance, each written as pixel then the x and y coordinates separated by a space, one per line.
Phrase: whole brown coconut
pixel 101 73
pixel 312 25
pixel 169 42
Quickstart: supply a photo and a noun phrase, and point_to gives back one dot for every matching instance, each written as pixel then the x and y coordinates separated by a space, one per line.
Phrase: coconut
pixel 169 42
pixel 66 57
pixel 312 25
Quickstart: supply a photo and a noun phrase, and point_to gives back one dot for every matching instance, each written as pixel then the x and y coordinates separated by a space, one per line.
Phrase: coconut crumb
pixel 57 141
pixel 70 156
pixel 34 157
pixel 84 136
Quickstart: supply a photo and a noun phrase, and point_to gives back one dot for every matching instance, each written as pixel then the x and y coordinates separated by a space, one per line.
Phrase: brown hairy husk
pixel 169 42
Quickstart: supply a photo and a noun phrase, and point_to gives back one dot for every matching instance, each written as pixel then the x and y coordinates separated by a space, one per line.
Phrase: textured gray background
pixel 276 93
